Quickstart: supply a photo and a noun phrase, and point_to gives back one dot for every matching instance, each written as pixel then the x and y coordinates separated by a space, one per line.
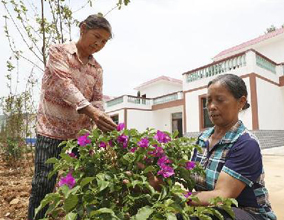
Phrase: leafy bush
pixel 111 176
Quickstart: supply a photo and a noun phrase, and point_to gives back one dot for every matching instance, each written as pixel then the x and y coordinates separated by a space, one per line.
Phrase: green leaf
pixel 149 169
pixel 86 180
pixel 66 157
pixel 71 216
pixel 103 211
pixel 171 216
pixel 143 213
pixel 229 210
pixel 204 217
pixel 102 184
pixel 70 203
pixel 217 214
pixel 52 160
pixel 47 199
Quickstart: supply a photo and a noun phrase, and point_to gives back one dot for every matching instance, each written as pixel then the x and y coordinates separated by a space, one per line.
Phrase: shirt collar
pixel 230 137
pixel 72 49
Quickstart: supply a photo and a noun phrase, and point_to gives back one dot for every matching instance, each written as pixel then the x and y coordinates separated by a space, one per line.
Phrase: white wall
pixel 160 88
pixel 192 110
pixel 159 119
pixel 140 119
pixel 274 49
pixel 246 115
pixel 163 118
pixel 270 106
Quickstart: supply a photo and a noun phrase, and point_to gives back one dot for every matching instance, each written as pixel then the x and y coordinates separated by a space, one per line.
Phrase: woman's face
pixel 93 40
pixel 223 107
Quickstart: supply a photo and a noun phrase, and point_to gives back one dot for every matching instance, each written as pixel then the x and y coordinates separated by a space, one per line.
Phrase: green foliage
pixel 112 178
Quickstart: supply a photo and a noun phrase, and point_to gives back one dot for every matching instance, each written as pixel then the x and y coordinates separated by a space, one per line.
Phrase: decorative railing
pixel 138 100
pixel 265 63
pixel 217 68
pixel 115 101
pixel 164 99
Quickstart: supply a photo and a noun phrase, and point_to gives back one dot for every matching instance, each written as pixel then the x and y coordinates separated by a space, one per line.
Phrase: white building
pixel 167 104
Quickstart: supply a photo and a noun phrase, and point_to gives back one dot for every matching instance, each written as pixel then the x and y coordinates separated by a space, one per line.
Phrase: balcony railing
pixel 138 100
pixel 165 99
pixel 115 101
pixel 265 63
pixel 217 68
pixel 147 102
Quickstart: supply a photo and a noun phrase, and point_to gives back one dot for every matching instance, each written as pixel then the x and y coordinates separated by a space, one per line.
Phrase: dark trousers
pixel 239 213
pixel 45 148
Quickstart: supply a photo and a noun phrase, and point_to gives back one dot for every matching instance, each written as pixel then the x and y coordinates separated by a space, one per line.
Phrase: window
pixel 204 117
pixel 115 118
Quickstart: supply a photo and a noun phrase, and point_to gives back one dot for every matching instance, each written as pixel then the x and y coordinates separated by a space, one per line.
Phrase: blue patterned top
pixel 237 154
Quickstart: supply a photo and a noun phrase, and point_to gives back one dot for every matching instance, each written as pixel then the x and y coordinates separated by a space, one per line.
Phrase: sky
pixel 164 37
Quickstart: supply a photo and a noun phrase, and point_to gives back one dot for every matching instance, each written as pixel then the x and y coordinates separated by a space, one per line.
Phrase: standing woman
pixel 71 100
pixel 231 155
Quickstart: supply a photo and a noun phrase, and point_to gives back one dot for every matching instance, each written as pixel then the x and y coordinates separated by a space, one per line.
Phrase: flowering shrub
pixel 112 177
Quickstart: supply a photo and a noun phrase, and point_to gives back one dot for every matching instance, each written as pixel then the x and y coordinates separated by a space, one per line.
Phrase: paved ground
pixel 273 160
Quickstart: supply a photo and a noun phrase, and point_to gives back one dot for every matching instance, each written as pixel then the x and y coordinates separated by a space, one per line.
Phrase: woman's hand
pixel 101 119
pixel 154 181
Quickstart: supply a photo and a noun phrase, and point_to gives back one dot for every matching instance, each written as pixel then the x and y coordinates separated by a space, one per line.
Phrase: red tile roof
pixel 165 78
pixel 251 42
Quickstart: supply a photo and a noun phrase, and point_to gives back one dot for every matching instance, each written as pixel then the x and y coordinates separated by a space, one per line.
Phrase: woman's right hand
pixel 101 119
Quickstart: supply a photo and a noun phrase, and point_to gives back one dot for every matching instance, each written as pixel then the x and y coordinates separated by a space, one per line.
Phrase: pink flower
pixel 187 194
pixel 189 165
pixel 132 150
pixel 84 140
pixel 163 160
pixel 158 152
pixel 162 137
pixel 166 171
pixel 144 142
pixel 120 126
pixel 103 144
pixel 72 155
pixel 68 180
pixel 123 139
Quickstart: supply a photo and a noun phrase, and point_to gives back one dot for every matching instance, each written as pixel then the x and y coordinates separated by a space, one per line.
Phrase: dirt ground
pixel 15 186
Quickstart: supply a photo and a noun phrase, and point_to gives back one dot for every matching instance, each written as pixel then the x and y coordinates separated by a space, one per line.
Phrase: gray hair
pixel 97 22
pixel 235 85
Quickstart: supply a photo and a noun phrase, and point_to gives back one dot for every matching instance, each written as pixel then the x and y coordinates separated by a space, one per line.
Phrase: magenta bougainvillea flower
pixel 144 142
pixel 166 171
pixel 189 165
pixel 162 137
pixel 120 127
pixel 158 152
pixel 68 180
pixel 84 140
pixel 132 150
pixel 103 144
pixel 163 160
pixel 123 139
pixel 72 155
pixel 187 194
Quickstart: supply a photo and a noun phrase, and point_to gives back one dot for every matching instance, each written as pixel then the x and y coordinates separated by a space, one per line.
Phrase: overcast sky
pixel 167 37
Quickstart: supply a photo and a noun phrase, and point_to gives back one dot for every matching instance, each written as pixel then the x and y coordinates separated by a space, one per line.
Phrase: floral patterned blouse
pixel 68 86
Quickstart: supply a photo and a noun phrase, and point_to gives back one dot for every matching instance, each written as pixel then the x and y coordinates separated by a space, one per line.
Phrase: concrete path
pixel 273 160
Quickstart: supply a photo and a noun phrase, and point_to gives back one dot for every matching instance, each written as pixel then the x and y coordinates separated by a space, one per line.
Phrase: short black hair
pixel 96 22
pixel 235 85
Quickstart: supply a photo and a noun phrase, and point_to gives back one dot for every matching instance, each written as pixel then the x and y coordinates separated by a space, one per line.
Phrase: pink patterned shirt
pixel 68 86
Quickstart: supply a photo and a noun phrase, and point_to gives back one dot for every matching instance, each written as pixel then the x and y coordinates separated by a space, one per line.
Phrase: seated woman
pixel 231 155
